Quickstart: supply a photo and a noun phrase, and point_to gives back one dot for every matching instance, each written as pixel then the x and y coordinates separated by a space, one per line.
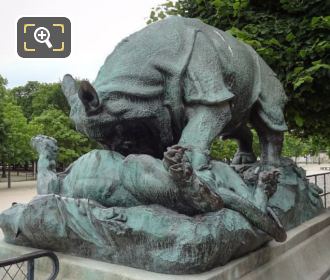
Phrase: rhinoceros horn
pixel 70 89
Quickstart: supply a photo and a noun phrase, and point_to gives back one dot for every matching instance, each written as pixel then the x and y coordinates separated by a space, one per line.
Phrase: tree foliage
pixel 293 146
pixel 3 125
pixel 56 123
pixel 15 147
pixel 23 96
pixel 37 108
pixel 292 37
pixel 223 150
pixel 35 98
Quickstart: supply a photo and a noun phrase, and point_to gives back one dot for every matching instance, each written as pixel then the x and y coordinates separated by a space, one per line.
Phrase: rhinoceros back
pixel 212 66
pixel 242 77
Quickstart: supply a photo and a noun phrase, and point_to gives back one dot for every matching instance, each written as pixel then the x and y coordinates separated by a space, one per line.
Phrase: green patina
pixel 153 198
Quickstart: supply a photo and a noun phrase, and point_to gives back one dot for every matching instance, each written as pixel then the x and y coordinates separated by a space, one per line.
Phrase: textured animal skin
pixel 188 85
pixel 153 198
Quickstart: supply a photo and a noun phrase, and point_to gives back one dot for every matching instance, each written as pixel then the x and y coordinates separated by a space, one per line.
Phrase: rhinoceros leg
pixel 205 123
pixel 195 192
pixel 244 138
pixel 271 141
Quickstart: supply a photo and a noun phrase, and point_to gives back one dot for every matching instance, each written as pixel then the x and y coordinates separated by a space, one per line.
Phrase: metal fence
pixel 22 267
pixel 323 181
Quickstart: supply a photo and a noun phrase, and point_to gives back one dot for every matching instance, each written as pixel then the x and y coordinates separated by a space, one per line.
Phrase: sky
pixel 96 27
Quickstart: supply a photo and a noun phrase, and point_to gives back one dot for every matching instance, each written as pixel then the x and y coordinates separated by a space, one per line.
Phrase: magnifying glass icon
pixel 41 35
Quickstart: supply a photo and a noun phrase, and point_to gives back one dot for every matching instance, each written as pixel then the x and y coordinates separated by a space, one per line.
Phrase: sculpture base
pixel 305 255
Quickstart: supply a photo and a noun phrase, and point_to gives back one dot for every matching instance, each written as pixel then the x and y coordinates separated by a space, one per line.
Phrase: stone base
pixel 305 255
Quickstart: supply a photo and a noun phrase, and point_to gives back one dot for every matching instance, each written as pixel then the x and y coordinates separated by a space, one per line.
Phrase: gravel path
pixel 20 192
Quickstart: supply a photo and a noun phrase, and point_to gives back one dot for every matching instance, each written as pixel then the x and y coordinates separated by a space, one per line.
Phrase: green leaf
pixel 320 22
pixel 302 80
pixel 290 37
pixel 297 70
pixel 299 120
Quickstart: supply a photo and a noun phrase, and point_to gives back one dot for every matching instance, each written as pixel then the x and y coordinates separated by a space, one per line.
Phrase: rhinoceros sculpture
pixel 178 83
pixel 181 81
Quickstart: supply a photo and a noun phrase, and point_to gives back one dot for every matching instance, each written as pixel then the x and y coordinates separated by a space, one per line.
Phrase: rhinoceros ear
pixel 70 89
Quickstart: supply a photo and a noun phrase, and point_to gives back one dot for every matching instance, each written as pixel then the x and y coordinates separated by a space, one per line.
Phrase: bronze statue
pixel 153 198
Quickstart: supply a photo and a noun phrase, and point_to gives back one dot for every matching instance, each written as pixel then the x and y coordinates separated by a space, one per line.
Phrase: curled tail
pixel 270 225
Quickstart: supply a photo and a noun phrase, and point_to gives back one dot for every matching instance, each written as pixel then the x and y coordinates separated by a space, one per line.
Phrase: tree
pixel 49 96
pixel 24 95
pixel 3 124
pixel 15 146
pixel 223 150
pixel 55 123
pixel 35 98
pixel 46 107
pixel 291 36
pixel 294 146
pixel 316 145
pixel 3 82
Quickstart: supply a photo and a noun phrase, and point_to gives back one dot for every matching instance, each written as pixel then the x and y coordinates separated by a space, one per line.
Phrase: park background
pixel 291 36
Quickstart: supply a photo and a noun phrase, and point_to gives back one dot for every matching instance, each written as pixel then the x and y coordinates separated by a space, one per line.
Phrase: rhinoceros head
pixel 120 122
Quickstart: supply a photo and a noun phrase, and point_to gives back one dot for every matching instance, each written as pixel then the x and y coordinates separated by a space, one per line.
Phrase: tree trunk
pixel 34 169
pixel 3 171
pixel 26 166
pixel 9 177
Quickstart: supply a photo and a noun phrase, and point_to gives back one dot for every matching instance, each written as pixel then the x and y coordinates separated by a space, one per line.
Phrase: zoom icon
pixel 43 37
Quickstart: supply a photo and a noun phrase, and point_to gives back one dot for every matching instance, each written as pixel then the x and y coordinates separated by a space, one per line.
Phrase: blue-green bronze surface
pixel 153 198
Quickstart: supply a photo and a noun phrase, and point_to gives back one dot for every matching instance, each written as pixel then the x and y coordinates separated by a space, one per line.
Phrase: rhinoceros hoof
pixel 244 158
pixel 175 162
